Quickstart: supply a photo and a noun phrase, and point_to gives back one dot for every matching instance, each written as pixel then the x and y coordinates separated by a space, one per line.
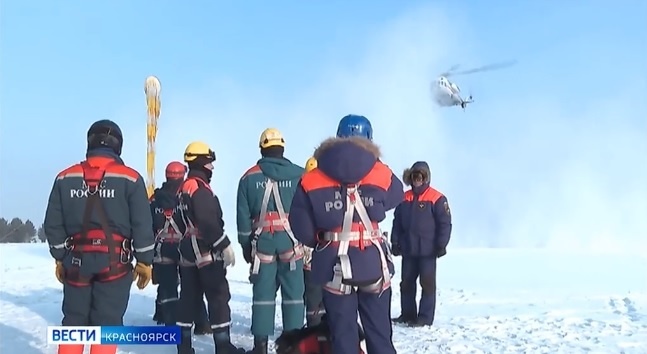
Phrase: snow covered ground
pixel 491 301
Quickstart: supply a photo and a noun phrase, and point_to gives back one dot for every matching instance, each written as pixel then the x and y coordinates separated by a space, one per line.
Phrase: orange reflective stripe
pixel 252 170
pixel 379 176
pixel 112 169
pixel 192 184
pixel 429 195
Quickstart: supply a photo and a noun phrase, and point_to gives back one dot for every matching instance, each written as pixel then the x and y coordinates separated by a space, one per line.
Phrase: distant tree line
pixel 18 231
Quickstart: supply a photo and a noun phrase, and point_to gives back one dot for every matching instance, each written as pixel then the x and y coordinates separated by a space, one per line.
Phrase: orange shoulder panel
pixel 189 186
pixel 316 179
pixel 252 170
pixel 123 171
pixel 73 171
pixel 408 196
pixel 379 176
pixel 430 195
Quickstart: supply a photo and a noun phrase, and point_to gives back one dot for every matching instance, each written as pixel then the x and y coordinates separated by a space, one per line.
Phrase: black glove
pixel 154 276
pixel 247 254
pixel 396 250
pixel 441 252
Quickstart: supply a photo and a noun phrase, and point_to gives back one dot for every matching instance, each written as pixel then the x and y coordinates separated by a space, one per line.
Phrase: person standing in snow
pixel 336 211
pixel 313 292
pixel 164 205
pixel 97 221
pixel 264 201
pixel 205 253
pixel 422 226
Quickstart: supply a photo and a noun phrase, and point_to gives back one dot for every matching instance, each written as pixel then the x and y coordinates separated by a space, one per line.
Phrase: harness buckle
pixel 68 244
pixel 125 254
pixel 96 242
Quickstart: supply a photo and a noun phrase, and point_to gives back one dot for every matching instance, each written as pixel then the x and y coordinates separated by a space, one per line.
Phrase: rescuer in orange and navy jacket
pixel 205 253
pixel 164 205
pixel 336 210
pixel 97 220
pixel 422 226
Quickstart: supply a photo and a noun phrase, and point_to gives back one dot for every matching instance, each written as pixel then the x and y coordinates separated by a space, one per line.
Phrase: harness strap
pixel 343 270
pixel 272 189
pixel 193 233
pixel 120 255
pixel 170 232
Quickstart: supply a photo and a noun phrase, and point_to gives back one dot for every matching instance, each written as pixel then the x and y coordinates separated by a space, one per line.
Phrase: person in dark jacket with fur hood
pixel 422 226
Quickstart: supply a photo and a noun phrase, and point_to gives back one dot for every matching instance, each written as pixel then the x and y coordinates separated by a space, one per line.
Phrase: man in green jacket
pixel 264 198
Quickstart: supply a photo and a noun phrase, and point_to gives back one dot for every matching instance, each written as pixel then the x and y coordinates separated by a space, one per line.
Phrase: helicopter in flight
pixel 448 94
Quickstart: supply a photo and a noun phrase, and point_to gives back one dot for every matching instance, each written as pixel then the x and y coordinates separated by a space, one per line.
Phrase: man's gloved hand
pixel 60 272
pixel 228 256
pixel 142 274
pixel 153 277
pixel 396 250
pixel 247 254
pixel 441 252
pixel 307 255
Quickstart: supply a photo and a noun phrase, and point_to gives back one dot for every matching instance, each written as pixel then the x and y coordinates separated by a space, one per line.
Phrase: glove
pixel 441 252
pixel 396 250
pixel 153 277
pixel 247 254
pixel 228 256
pixel 142 275
pixel 60 272
pixel 307 255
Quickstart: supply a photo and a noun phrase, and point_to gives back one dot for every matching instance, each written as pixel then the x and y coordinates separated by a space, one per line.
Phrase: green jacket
pixel 252 187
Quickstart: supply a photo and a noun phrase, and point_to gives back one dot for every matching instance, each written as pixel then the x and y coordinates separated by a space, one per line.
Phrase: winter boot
pixel 223 344
pixel 260 346
pixel 202 329
pixel 186 345
pixel 402 319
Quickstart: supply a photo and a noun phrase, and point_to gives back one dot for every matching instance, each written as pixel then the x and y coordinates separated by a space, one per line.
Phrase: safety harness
pixel 362 234
pixel 202 258
pixel 272 222
pixel 169 233
pixel 102 240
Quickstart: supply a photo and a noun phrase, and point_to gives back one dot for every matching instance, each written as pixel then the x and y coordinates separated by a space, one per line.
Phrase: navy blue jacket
pixel 422 223
pixel 318 205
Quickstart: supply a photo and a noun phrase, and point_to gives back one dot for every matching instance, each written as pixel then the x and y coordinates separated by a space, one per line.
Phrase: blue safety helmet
pixel 354 125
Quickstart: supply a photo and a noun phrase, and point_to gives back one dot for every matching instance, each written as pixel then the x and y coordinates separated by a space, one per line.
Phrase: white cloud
pixel 522 173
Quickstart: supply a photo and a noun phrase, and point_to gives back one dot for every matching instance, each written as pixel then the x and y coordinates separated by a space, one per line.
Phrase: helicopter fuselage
pixel 447 94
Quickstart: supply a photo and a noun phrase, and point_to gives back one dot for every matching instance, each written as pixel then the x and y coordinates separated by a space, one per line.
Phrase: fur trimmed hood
pixel 420 166
pixel 364 143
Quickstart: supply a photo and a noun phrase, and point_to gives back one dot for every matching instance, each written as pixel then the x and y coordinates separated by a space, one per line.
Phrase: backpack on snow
pixel 309 340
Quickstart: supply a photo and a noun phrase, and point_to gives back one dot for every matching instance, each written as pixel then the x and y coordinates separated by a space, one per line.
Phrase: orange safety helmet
pixel 175 170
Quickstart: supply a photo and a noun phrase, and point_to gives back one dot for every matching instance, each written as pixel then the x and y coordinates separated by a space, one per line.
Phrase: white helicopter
pixel 448 94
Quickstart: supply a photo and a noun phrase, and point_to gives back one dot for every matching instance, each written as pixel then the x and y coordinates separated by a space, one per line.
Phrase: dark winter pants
pixel 375 314
pixel 167 295
pixel 412 268
pixel 98 304
pixel 213 279
pixel 314 300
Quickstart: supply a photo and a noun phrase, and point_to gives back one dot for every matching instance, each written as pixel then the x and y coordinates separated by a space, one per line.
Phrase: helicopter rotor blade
pixel 495 66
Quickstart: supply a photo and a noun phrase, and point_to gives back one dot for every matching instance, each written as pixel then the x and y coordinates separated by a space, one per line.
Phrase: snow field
pixel 490 301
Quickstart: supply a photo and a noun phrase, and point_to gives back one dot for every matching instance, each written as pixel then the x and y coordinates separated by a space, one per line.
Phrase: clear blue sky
pixel 567 120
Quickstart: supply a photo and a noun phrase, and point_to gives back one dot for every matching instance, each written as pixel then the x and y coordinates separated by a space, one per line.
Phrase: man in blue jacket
pixel 336 211
pixel 422 226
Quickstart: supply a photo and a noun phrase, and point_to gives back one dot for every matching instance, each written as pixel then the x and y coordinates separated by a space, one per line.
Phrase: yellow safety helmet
pixel 271 137
pixel 197 149
pixel 311 164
